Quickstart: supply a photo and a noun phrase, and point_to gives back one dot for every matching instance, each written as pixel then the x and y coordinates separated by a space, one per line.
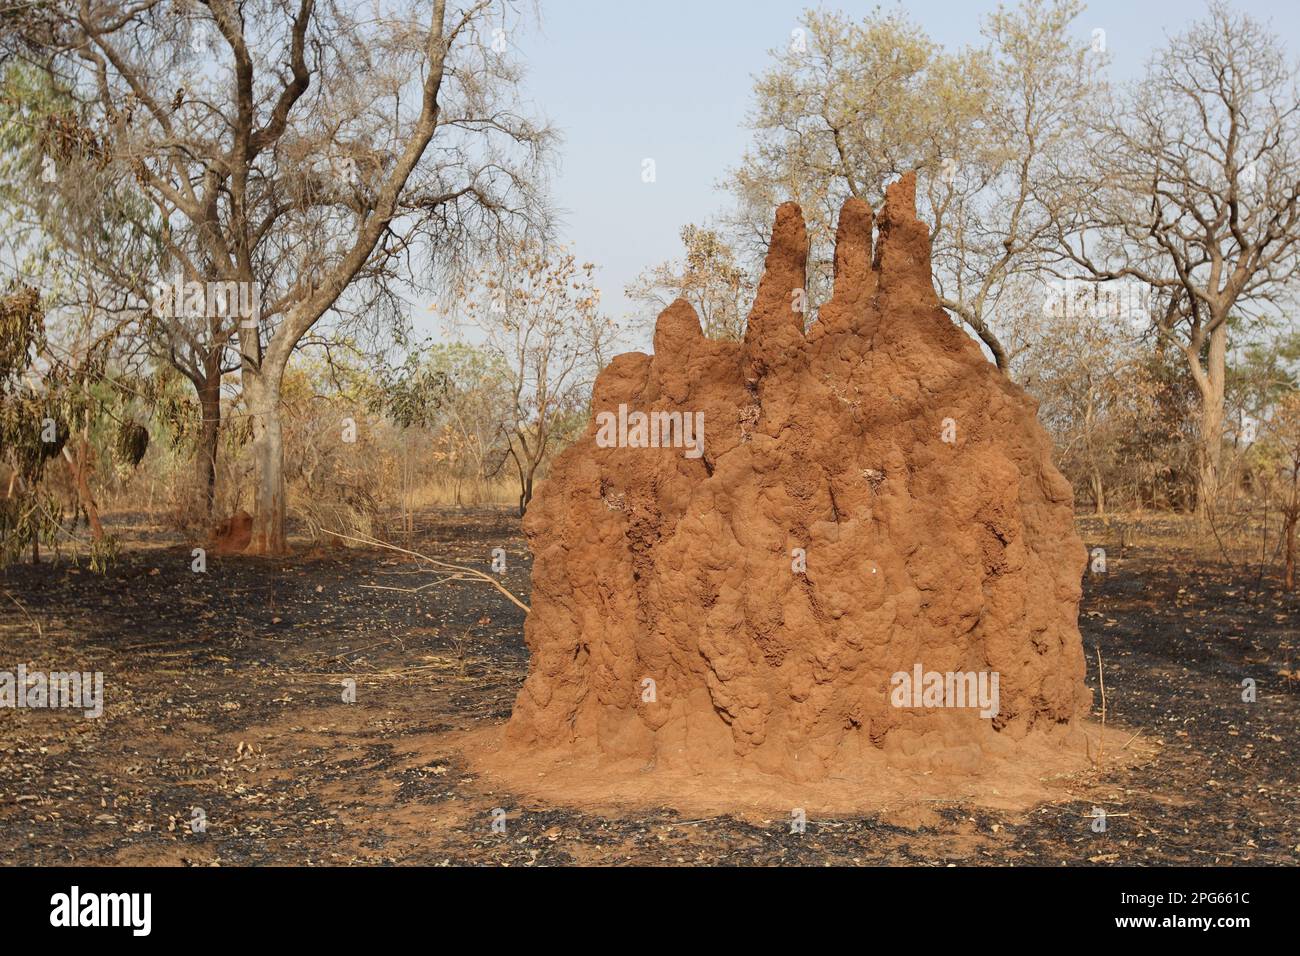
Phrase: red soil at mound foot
pixel 911 472
pixel 233 535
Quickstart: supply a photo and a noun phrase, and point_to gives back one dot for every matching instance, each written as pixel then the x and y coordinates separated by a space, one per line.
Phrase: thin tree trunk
pixel 1094 472
pixel 526 495
pixel 210 434
pixel 1291 515
pixel 1098 493
pixel 1288 577
pixel 523 480
pixel 78 468
pixel 977 325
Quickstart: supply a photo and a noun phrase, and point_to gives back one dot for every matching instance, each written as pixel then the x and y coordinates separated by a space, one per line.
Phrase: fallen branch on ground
pixel 473 573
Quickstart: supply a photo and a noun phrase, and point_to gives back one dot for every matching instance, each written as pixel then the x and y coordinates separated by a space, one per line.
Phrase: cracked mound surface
pixel 913 475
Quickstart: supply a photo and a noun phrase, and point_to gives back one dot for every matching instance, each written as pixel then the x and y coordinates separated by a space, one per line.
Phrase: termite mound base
pixel 1041 769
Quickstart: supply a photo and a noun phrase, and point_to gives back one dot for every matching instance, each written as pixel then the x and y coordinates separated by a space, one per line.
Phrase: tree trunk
pixel 1290 517
pixel 78 467
pixel 1094 470
pixel 526 489
pixel 1211 387
pixel 262 393
pixel 976 323
pixel 205 461
pixel 1098 493
pixel 525 492
pixel 1288 577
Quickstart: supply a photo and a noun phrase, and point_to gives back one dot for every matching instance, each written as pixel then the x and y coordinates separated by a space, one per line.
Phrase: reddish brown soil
pixel 233 535
pixel 937 532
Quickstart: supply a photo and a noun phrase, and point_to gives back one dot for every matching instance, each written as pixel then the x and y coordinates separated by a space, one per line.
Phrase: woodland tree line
pixel 217 214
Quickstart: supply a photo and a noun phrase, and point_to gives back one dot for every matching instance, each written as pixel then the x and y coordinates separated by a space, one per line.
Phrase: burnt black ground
pixel 224 693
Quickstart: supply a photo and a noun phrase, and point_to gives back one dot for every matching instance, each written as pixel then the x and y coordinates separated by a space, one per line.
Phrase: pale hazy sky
pixel 629 79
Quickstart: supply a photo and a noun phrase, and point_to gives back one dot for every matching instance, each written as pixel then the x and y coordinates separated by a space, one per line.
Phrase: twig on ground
pixel 1101 679
pixel 40 634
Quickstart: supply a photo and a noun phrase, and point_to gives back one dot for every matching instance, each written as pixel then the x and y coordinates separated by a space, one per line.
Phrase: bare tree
pixel 843 107
pixel 467 429
pixel 850 105
pixel 1191 188
pixel 309 152
pixel 1075 366
pixel 995 193
pixel 708 277
pixel 540 315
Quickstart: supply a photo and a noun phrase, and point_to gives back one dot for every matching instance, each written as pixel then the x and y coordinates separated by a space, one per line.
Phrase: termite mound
pixel 872 495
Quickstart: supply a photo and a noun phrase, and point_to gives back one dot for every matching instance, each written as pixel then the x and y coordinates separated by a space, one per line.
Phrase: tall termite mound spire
pixel 858 500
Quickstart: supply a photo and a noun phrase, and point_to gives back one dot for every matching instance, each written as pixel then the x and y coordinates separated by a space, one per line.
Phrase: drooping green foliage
pixel 30 434
pixel 411 393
